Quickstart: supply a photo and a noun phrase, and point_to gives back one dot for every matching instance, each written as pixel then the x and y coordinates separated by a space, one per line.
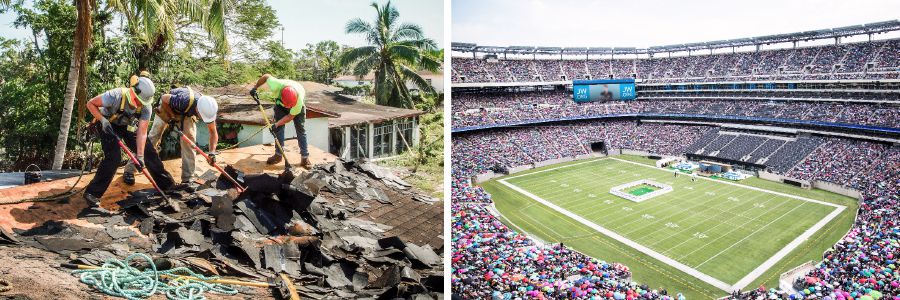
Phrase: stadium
pixel 718 169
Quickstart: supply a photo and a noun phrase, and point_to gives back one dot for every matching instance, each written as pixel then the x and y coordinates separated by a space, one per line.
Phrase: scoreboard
pixel 603 90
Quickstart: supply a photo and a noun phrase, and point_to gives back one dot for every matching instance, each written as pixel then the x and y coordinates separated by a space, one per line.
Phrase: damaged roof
pixel 236 106
pixel 345 229
pixel 279 226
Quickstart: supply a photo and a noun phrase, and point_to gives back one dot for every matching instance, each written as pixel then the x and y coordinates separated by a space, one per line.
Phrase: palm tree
pixel 80 45
pixel 395 51
pixel 154 23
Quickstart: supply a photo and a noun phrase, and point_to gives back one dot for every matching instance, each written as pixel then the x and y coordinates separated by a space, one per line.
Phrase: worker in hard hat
pixel 289 99
pixel 183 107
pixel 125 112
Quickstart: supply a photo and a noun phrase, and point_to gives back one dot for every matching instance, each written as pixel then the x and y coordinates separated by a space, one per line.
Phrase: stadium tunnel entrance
pixel 598 147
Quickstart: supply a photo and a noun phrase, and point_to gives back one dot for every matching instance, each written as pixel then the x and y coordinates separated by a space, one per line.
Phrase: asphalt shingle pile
pixel 279 224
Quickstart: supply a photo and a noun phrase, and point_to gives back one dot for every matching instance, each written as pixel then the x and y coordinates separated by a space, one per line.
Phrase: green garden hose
pixel 118 278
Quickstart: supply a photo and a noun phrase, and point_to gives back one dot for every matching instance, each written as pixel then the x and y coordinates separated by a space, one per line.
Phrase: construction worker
pixel 184 106
pixel 289 96
pixel 125 113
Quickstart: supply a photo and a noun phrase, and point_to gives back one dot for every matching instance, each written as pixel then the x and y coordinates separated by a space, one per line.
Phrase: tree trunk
pixel 81 97
pixel 80 44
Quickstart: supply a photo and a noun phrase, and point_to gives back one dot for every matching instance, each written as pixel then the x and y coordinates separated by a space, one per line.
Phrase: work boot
pixel 91 199
pixel 179 187
pixel 304 163
pixel 94 203
pixel 190 186
pixel 274 159
pixel 128 178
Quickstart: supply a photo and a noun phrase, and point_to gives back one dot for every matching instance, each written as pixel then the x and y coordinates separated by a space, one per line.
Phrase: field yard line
pixel 707 229
pixel 681 231
pixel 570 178
pixel 734 228
pixel 741 185
pixel 738 227
pixel 588 203
pixel 585 199
pixel 551 169
pixel 682 267
pixel 541 224
pixel 787 249
pixel 668 206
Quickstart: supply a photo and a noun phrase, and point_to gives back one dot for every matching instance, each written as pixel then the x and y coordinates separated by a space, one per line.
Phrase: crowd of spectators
pixel 777 95
pixel 839 161
pixel 478 109
pixel 845 61
pixel 506 148
pixel 490 260
pixel 865 263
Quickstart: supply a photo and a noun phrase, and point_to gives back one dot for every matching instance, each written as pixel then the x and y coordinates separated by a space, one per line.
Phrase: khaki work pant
pixel 188 156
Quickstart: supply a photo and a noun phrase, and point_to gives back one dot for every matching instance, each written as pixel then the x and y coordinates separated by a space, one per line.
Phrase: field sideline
pixel 701 239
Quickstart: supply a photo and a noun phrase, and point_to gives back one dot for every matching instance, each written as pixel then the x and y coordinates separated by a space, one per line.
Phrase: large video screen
pixel 603 90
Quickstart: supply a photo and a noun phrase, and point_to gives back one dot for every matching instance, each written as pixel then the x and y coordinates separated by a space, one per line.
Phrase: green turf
pixel 723 222
pixel 642 189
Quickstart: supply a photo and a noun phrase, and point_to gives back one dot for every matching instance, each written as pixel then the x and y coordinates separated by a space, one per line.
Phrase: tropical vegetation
pixel 46 78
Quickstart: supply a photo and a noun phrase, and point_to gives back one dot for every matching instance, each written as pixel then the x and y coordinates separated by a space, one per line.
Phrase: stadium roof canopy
pixel 870 28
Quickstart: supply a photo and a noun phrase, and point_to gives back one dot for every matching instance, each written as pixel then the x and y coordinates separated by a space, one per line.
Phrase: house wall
pixel 351 83
pixel 437 82
pixel 316 134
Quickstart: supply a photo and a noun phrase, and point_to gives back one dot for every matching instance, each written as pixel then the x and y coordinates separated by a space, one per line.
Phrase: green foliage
pixel 152 24
pixel 358 90
pixel 281 60
pixel 33 71
pixel 32 82
pixel 395 52
pixel 253 20
pixel 320 62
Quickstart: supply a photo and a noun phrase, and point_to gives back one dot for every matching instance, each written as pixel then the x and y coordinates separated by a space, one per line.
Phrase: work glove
pixel 212 158
pixel 254 93
pixel 140 163
pixel 107 127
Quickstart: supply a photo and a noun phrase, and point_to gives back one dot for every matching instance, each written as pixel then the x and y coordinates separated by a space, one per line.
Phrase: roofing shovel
pixel 184 137
pixel 145 172
pixel 287 166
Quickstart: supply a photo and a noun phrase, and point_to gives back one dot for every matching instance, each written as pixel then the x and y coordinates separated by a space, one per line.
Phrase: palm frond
pixel 408 31
pixel 366 65
pixel 431 62
pixel 404 53
pixel 423 43
pixel 356 54
pixel 215 25
pixel 410 75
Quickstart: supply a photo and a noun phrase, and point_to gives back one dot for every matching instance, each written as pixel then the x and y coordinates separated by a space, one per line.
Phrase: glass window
pixel 404 134
pixel 382 134
pixel 359 142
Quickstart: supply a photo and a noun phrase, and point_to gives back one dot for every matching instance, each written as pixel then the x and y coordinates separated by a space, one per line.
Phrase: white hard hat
pixel 147 89
pixel 207 108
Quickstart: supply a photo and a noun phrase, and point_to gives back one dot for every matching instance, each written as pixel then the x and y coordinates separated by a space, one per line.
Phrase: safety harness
pixel 121 111
pixel 190 105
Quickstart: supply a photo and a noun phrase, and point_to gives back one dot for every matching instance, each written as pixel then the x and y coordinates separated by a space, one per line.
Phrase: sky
pixel 310 21
pixel 572 23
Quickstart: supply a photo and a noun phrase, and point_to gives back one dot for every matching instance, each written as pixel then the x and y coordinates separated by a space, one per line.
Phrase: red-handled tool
pixel 136 163
pixel 184 137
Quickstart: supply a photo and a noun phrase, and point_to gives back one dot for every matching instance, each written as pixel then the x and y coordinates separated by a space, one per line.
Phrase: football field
pixel 721 233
